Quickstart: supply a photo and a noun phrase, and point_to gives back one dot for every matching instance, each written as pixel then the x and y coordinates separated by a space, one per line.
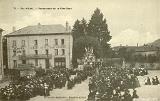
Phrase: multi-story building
pixel 44 46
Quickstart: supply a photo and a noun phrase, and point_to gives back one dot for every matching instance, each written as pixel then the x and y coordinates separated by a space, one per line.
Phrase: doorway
pixel 47 63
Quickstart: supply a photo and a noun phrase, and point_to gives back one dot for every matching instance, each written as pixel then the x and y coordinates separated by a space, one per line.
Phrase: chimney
pixel 14 28
pixel 39 25
pixel 67 26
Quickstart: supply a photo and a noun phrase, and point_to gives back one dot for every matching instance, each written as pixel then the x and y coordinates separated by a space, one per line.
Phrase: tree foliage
pixel 78 31
pixel 93 34
pixel 98 28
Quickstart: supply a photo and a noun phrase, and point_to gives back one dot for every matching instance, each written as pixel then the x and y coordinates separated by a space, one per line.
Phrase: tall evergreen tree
pixel 78 31
pixel 97 27
pixel 79 28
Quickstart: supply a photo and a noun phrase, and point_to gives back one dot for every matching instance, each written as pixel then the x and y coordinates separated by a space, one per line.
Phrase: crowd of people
pixel 27 87
pixel 105 83
pixel 108 84
pixel 138 72
pixel 155 81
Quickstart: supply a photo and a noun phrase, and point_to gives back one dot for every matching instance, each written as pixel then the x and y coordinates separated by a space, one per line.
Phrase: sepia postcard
pixel 80 50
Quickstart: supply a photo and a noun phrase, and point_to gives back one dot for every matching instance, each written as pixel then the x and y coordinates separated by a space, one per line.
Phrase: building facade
pixel 147 50
pixel 40 46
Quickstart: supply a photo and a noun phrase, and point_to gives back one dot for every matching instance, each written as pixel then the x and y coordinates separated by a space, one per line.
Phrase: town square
pixel 79 50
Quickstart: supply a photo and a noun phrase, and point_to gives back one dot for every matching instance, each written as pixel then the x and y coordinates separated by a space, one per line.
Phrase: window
pixel 36 62
pixel 56 51
pixel 56 41
pixel 23 42
pixel 62 41
pixel 63 52
pixel 15 63
pixel 23 52
pixel 14 53
pixel 14 42
pixel 35 42
pixel 56 64
pixel 46 41
pixel 36 52
pixel 23 61
pixel 46 51
pixel 60 62
pixel 63 63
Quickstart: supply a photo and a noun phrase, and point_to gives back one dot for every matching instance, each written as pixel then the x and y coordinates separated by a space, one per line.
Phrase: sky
pixel 129 21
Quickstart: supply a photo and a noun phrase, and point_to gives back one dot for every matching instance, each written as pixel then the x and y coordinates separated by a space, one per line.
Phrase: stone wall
pixel 150 66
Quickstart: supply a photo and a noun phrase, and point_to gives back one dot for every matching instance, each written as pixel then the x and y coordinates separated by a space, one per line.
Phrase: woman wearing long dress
pixel 156 80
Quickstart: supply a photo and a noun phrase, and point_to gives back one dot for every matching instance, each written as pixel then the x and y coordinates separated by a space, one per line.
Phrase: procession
pixel 106 84
pixel 28 87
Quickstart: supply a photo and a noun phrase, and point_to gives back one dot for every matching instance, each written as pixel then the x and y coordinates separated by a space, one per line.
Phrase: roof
pixel 147 49
pixel 40 30
pixel 128 48
pixel 1 30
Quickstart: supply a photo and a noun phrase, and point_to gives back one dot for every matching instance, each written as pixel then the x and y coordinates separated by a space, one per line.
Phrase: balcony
pixel 57 56
pixel 34 56
pixel 28 65
pixel 59 46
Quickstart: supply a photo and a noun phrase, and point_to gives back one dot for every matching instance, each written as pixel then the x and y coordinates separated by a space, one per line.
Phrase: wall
pixel 150 66
pixel 146 53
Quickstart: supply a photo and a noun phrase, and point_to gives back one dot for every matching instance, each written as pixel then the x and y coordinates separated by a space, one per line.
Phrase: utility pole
pixel 1 56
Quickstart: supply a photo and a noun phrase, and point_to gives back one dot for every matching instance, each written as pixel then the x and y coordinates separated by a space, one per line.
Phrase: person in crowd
pixel 97 96
pixel 136 82
pixel 91 96
pixel 135 94
pixel 127 96
pixel 46 90
pixel 148 81
pixel 145 81
pixel 156 80
pixel 153 81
